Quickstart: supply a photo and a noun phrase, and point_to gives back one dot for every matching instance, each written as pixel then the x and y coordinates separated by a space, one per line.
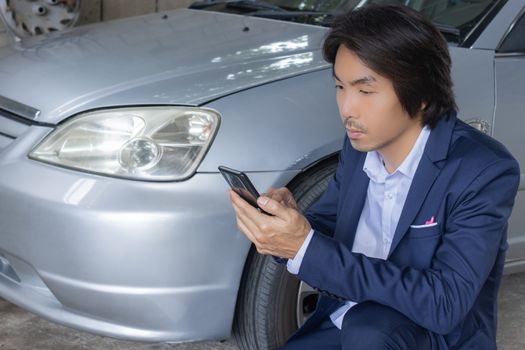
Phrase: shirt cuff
pixel 293 265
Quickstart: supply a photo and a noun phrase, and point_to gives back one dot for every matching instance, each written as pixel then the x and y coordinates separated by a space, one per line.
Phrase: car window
pixel 452 12
pixel 515 40
pixel 453 17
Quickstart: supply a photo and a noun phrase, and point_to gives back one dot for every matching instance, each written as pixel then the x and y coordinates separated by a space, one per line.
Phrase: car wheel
pixel 28 18
pixel 272 303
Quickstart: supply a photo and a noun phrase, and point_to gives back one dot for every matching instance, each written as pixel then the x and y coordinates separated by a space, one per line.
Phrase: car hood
pixel 183 57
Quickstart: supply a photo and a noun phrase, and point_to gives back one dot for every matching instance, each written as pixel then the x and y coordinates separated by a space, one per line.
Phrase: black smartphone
pixel 241 184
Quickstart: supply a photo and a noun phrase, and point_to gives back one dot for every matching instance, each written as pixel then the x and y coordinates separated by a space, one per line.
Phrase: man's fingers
pixel 278 194
pixel 257 228
pixel 245 223
pixel 281 234
pixel 252 218
pixel 242 204
pixel 273 207
pixel 271 191
pixel 290 202
pixel 282 195
pixel 244 210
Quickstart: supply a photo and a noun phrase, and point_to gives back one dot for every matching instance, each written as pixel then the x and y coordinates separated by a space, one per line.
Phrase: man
pixel 407 244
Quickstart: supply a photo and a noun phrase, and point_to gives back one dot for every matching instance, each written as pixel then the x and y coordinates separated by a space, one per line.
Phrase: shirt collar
pixel 374 168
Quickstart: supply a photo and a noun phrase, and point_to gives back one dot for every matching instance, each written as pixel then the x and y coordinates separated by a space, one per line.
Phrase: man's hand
pixel 283 196
pixel 280 235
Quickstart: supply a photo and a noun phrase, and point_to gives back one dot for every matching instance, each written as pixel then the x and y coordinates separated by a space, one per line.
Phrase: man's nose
pixel 348 107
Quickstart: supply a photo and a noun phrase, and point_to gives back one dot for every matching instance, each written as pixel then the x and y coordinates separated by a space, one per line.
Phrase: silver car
pixel 113 216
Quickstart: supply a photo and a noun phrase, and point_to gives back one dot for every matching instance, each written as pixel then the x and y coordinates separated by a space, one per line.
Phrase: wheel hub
pixel 26 18
pixel 306 302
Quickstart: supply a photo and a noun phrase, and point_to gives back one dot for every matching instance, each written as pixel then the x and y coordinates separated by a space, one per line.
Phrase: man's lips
pixel 354 133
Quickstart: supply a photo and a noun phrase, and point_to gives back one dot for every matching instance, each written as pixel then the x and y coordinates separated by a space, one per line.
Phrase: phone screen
pixel 241 184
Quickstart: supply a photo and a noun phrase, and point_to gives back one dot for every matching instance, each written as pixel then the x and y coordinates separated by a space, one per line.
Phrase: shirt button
pixel 389 195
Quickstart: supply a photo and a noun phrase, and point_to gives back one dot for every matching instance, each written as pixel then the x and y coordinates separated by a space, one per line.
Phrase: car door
pixel 509 124
pixel 473 78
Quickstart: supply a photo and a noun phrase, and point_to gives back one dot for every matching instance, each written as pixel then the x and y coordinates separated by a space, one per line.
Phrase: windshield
pixel 455 18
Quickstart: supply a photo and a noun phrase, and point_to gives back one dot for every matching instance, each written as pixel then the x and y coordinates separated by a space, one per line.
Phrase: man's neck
pixel 396 152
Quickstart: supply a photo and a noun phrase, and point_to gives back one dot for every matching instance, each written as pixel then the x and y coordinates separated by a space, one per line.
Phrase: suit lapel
pixel 352 206
pixel 425 176
pixel 429 167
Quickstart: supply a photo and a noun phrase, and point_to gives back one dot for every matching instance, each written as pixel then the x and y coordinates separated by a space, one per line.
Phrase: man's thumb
pixel 269 205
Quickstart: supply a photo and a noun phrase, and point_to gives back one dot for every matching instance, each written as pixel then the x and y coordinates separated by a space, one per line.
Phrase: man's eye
pixel 338 87
pixel 364 92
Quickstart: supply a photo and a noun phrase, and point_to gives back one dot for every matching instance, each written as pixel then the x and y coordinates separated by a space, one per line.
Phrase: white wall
pixel 103 10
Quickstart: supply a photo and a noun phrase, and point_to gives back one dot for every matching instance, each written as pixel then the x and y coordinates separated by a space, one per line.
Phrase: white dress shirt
pixel 385 199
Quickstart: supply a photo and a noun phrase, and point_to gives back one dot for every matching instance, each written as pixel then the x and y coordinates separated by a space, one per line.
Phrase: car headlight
pixel 144 143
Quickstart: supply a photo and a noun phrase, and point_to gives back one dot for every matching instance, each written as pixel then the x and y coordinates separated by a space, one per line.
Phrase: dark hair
pixel 400 44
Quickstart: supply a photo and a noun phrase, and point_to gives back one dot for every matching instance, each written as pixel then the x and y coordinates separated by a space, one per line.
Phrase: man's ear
pixel 423 106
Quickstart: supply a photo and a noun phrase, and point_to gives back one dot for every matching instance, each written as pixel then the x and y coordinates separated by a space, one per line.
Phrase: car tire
pixel 272 303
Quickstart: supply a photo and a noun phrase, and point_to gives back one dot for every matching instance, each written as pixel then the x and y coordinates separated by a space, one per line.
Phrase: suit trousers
pixel 366 326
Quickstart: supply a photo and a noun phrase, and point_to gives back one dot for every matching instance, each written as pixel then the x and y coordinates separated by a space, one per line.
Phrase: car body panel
pixel 509 128
pixel 253 119
pixel 188 58
pixel 94 252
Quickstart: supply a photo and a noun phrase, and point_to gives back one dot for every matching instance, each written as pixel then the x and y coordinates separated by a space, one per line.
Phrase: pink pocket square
pixel 429 223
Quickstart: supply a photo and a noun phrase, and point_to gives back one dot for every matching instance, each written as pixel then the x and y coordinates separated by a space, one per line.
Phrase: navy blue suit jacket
pixel 444 277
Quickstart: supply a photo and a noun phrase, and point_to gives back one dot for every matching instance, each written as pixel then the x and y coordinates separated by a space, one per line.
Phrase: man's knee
pixel 372 326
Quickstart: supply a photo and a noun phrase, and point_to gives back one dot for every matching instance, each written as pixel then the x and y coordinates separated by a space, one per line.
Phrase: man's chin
pixel 360 146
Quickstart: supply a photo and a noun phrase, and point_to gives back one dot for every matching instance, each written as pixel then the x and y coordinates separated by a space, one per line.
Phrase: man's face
pixel 369 107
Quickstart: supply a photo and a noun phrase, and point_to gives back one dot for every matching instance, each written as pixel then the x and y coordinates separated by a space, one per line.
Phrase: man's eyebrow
pixel 366 80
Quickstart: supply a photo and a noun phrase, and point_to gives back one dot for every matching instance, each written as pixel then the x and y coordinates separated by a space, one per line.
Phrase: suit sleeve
pixel 322 215
pixel 447 290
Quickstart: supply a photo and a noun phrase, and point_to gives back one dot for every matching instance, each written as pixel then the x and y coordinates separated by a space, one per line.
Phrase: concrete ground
pixel 20 330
